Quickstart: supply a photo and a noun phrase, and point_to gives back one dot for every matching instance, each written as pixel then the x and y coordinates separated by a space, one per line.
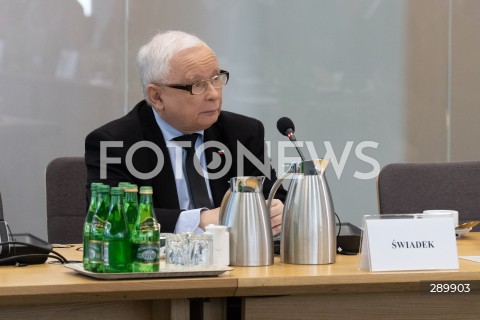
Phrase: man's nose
pixel 212 92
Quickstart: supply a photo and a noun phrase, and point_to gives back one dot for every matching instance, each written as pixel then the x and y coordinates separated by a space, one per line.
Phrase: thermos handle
pixel 223 205
pixel 277 184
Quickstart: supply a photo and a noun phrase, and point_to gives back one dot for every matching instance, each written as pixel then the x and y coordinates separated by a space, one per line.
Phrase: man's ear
pixel 154 95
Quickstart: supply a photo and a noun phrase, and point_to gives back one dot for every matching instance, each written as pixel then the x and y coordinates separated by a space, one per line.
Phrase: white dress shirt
pixel 189 219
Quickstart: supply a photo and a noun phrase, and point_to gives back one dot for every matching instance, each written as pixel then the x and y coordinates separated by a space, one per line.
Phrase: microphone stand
pixel 292 138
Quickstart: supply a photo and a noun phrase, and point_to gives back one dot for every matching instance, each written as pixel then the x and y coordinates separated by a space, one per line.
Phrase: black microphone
pixel 287 128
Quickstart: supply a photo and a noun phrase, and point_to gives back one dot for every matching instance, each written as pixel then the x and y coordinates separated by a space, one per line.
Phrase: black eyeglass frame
pixel 189 87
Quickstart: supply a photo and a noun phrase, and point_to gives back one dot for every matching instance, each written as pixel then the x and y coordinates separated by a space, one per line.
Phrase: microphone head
pixel 285 126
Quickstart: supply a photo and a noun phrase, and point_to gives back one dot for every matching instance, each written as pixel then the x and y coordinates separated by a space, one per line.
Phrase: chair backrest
pixel 66 181
pixel 1 208
pixel 414 187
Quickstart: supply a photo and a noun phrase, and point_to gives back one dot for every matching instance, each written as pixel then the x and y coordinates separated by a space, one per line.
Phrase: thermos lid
pixel 312 167
pixel 247 184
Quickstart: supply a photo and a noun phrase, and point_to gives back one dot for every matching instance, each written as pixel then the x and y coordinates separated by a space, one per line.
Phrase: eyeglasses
pixel 201 86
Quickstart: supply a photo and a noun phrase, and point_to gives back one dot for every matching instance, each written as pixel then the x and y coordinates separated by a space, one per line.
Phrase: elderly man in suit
pixel 182 84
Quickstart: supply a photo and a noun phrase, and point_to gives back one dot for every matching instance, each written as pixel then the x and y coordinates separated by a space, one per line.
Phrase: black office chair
pixel 66 180
pixel 414 187
pixel 1 208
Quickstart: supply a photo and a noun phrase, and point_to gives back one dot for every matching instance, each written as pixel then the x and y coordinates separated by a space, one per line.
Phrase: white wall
pixel 342 70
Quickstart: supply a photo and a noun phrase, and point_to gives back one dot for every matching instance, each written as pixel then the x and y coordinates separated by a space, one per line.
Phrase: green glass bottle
pixel 88 222
pixel 146 235
pixel 95 244
pixel 131 205
pixel 117 249
pixel 124 185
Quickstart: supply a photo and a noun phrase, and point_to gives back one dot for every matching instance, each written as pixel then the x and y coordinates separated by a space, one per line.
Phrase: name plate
pixel 408 242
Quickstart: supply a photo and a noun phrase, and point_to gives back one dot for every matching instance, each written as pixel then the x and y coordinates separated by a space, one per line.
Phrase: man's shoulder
pixel 235 120
pixel 127 125
pixel 235 127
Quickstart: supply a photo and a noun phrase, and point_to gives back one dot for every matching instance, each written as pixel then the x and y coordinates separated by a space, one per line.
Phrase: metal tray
pixel 163 273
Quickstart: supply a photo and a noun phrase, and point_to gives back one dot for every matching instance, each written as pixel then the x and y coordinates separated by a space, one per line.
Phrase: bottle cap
pixel 94 186
pixel 131 188
pixel 146 190
pixel 123 184
pixel 103 188
pixel 116 191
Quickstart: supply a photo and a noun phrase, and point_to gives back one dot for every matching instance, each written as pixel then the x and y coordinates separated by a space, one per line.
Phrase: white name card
pixel 408 242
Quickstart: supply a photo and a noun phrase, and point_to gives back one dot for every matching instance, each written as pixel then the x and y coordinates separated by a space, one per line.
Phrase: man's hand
pixel 276 212
pixel 209 217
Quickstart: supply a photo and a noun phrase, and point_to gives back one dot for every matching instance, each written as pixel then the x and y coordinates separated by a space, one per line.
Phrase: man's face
pixel 179 108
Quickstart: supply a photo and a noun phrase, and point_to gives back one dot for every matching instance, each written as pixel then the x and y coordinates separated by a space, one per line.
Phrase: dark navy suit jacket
pixel 140 125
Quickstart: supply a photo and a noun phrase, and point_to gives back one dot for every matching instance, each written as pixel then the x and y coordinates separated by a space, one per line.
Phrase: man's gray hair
pixel 153 59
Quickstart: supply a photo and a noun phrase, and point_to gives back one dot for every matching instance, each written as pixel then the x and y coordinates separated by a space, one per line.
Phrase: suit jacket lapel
pixel 162 183
pixel 164 193
pixel 219 186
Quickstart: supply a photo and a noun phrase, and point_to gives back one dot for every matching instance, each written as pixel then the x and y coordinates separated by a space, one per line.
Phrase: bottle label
pixel 106 260
pixel 146 252
pixel 95 251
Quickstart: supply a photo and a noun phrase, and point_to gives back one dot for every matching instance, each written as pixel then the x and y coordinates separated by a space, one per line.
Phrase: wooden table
pixel 337 291
pixel 342 291
pixel 51 291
